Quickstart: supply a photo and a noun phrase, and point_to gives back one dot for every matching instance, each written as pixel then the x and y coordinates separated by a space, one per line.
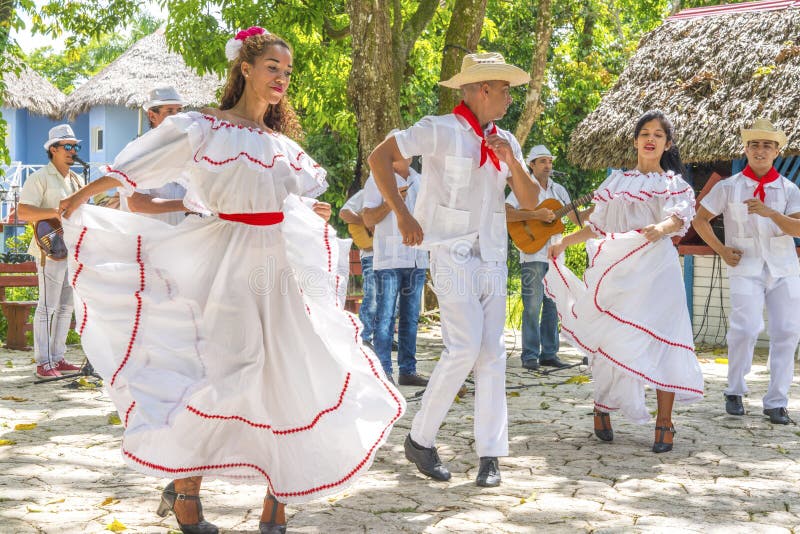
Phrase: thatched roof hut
pixel 146 65
pixel 711 72
pixel 28 90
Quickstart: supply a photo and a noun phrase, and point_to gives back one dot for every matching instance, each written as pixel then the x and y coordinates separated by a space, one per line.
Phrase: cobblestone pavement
pixel 726 473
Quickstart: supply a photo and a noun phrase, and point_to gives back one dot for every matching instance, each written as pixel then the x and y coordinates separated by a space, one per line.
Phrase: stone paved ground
pixel 727 474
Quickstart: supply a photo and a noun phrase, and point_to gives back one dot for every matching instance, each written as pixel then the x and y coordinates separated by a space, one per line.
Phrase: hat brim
pixel 486 72
pixel 765 135
pixel 540 156
pixel 154 103
pixel 51 142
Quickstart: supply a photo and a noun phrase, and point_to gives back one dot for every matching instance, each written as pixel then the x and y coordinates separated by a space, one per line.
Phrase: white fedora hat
pixel 161 96
pixel 486 67
pixel 62 132
pixel 763 130
pixel 538 151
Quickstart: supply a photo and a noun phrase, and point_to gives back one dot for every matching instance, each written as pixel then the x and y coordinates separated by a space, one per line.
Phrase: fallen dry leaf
pixel 25 426
pixel 513 393
pixel 577 379
pixel 113 419
pixel 116 526
pixel 529 498
pixel 7 442
pixel 109 500
pixel 13 398
pixel 9 364
pixel 544 405
pixel 56 501
pixel 722 361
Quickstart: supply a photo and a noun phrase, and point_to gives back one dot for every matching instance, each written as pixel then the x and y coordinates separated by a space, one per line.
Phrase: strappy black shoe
pixel 659 445
pixel 606 433
pixel 271 527
pixel 168 498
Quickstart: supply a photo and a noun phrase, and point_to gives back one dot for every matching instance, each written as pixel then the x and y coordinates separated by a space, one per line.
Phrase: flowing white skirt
pixel 226 349
pixel 629 316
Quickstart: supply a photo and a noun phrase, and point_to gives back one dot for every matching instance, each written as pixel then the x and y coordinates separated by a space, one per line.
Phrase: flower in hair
pixel 233 45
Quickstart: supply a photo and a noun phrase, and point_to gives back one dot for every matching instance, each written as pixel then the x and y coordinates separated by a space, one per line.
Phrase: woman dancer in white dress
pixel 629 314
pixel 222 341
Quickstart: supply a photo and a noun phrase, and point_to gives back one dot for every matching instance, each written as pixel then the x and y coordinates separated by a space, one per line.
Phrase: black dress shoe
pixel 426 459
pixel 488 472
pixel 553 362
pixel 733 404
pixel 778 416
pixel 412 380
pixel 531 365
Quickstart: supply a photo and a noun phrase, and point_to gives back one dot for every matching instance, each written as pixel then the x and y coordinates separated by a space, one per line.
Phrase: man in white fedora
pixel 166 202
pixel 762 213
pixel 539 337
pixel 38 200
pixel 460 218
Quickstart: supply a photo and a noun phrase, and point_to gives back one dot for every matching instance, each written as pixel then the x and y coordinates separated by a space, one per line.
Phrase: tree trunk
pixel 533 105
pixel 462 38
pixel 381 43
pixel 375 103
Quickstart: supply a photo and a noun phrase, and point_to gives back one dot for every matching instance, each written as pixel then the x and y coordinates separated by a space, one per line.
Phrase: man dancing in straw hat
pixel 761 210
pixel 460 217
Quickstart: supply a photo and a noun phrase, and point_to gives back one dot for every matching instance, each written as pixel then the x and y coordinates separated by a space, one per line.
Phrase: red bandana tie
pixel 486 152
pixel 771 176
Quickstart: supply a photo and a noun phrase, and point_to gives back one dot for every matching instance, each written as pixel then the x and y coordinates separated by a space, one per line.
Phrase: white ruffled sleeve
pixel 162 155
pixel 597 219
pixel 679 202
pixel 309 173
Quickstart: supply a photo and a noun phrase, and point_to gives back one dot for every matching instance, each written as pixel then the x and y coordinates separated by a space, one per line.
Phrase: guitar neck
pixel 569 207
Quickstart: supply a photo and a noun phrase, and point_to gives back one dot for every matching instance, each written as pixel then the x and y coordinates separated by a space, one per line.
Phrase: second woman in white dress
pixel 629 314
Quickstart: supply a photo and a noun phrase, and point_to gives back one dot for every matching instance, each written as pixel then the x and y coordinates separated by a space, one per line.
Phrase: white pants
pixel 782 298
pixel 472 302
pixel 53 313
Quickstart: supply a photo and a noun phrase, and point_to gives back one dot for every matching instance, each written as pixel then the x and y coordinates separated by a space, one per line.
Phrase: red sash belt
pixel 255 219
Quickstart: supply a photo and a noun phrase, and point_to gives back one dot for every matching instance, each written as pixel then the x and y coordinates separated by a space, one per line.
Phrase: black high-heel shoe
pixel 271 527
pixel 659 445
pixel 168 498
pixel 606 433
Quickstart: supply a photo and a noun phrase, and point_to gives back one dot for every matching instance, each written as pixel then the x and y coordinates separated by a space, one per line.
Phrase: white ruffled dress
pixel 629 313
pixel 224 345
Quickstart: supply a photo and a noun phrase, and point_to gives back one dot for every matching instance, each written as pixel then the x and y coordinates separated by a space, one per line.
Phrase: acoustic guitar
pixel 49 236
pixel 531 235
pixel 362 237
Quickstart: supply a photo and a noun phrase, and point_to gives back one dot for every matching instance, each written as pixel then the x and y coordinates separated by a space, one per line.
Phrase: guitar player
pixel 38 200
pixel 539 337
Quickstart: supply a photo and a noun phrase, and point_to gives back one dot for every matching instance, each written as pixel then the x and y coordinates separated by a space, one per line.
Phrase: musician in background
pixel 351 214
pixel 166 202
pixel 38 200
pixel 399 276
pixel 539 337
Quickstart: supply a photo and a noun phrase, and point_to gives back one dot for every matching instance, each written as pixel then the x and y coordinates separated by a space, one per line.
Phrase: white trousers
pixel 53 313
pixel 782 298
pixel 472 303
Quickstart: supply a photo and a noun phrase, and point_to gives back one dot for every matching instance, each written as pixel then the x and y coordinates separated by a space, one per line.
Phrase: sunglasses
pixel 70 146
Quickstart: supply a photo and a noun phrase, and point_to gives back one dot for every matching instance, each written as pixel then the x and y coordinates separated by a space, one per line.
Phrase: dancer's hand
pixel 652 232
pixel 69 204
pixel 731 256
pixel 501 147
pixel 323 209
pixel 756 207
pixel 556 249
pixel 409 229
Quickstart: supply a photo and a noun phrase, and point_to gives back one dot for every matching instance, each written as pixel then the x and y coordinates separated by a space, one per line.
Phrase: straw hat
pixel 486 67
pixel 763 130
pixel 162 96
pixel 62 132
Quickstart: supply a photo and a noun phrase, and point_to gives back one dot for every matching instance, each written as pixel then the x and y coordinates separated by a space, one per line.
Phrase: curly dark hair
pixel 281 117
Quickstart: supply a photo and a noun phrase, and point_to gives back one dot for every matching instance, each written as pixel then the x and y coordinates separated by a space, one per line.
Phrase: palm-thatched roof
pixel 28 90
pixel 711 74
pixel 128 79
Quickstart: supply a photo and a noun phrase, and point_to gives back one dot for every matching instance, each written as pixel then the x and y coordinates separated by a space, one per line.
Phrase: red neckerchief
pixel 771 176
pixel 486 152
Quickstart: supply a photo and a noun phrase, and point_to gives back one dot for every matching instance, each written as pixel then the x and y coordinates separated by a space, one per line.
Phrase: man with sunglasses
pixel 38 200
